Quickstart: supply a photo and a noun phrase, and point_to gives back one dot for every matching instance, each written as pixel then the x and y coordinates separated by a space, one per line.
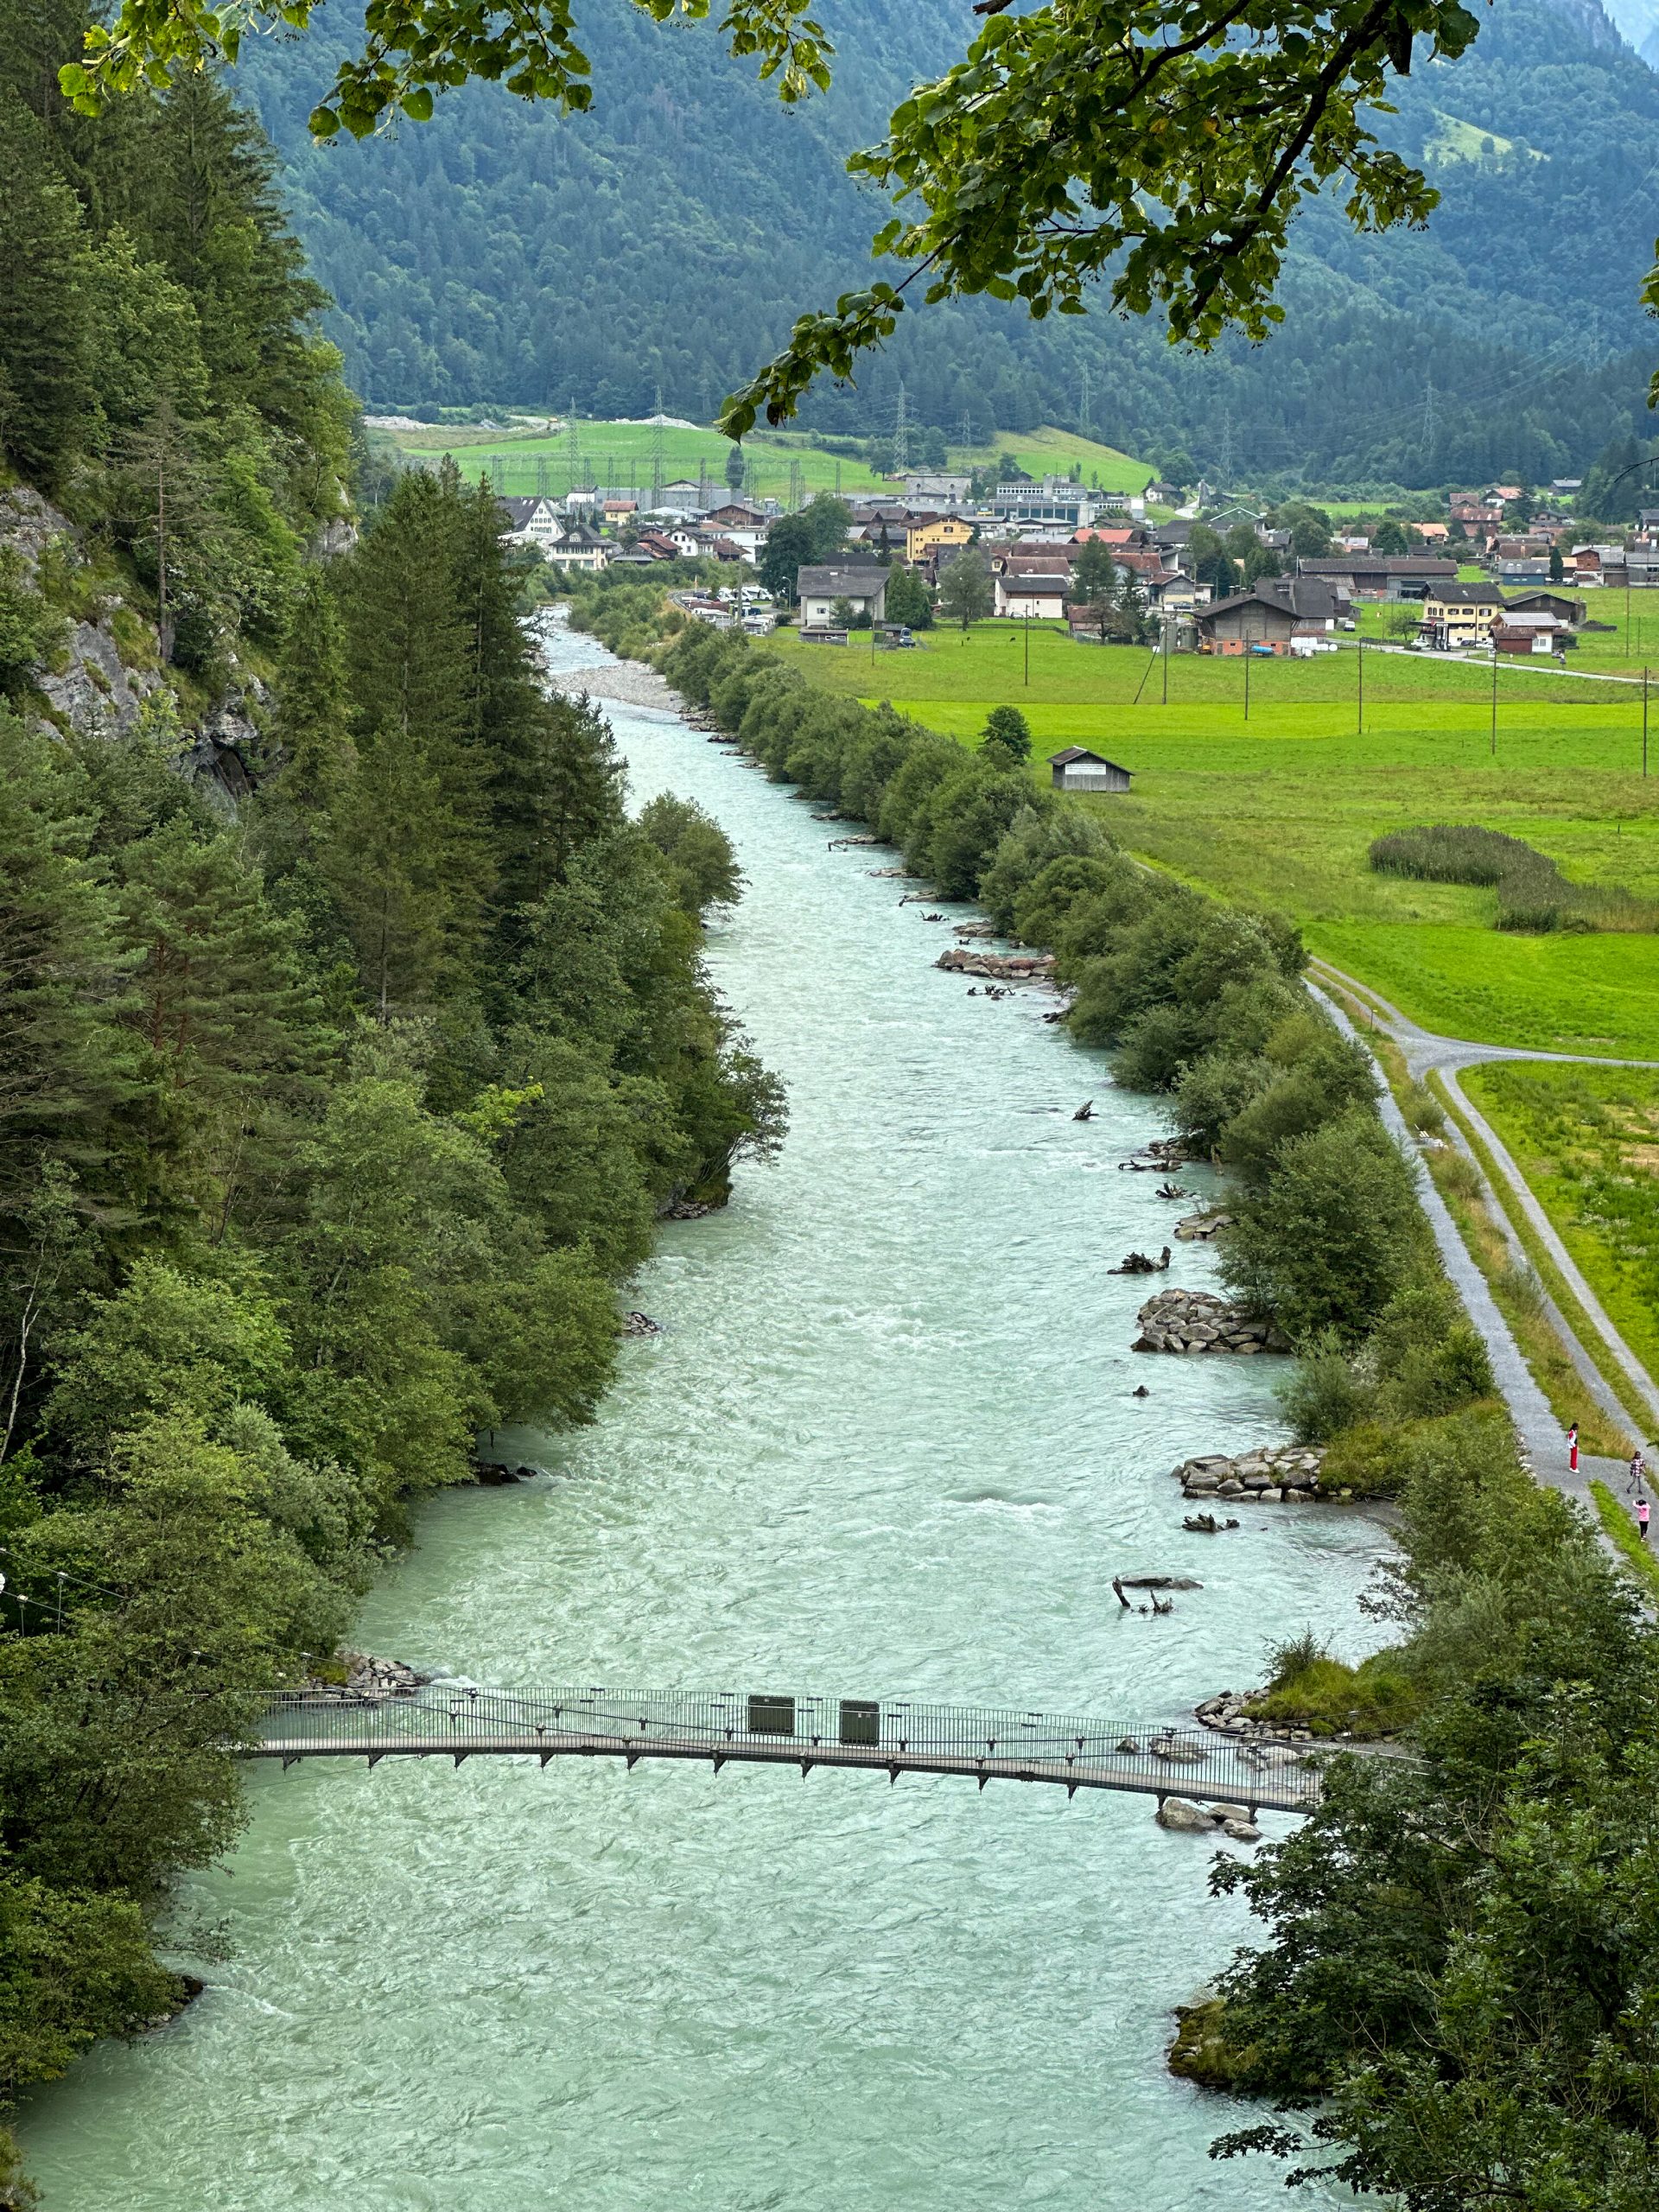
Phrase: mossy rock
pixel 1201 2052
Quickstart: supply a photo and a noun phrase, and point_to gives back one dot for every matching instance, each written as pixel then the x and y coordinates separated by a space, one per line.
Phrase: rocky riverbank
pixel 630 683
pixel 1198 1321
pixel 1002 967
pixel 1275 1473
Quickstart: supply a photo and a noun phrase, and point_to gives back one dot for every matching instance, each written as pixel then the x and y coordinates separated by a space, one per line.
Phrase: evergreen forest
pixel 330 1123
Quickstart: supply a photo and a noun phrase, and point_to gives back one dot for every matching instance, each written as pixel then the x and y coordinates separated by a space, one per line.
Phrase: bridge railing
pixel 787 1726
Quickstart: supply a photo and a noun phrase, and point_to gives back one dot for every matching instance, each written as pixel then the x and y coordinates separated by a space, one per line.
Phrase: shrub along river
pixel 885 1445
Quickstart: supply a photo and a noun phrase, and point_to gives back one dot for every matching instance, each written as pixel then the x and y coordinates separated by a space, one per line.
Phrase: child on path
pixel 1573 1448
pixel 1642 1518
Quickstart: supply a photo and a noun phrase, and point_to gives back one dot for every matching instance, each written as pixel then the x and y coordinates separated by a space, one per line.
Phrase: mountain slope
pixel 669 237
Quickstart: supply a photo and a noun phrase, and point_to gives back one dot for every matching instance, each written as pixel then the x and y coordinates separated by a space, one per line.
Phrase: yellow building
pixel 944 534
pixel 1457 616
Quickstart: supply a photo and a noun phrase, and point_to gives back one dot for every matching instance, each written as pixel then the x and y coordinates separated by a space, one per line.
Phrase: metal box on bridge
pixel 860 1720
pixel 771 1716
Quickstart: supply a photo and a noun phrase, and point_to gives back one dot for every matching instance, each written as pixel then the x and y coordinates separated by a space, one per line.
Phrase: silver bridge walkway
pixel 445 1720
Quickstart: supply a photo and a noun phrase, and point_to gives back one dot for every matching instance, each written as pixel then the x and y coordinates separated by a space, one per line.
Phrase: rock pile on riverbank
pixel 1225 1712
pixel 1277 1472
pixel 1199 1228
pixel 1004 967
pixel 367 1677
pixel 1196 1321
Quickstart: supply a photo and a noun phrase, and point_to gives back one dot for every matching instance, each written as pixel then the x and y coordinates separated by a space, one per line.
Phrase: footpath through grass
pixel 1281 810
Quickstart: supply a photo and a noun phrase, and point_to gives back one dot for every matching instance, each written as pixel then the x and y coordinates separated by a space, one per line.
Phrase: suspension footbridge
pixel 767 1728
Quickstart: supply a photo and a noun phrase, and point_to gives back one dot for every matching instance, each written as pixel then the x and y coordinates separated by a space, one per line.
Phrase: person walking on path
pixel 1638 1470
pixel 1642 1518
pixel 1573 1448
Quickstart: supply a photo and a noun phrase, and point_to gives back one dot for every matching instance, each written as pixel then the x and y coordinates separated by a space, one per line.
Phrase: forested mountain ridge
pixel 668 238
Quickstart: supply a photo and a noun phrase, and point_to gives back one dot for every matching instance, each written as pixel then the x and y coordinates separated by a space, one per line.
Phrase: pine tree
pixel 411 853
pixel 310 730
pixel 43 391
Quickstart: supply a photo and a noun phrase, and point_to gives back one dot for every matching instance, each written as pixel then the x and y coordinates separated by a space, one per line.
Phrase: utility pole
pixel 795 498
pixel 837 480
pixel 1494 748
pixel 1027 630
pixel 573 449
pixel 1247 679
pixel 1428 419
pixel 1226 446
pixel 967 428
pixel 1166 631
pixel 1362 687
pixel 900 435
pixel 657 476
pixel 541 476
pixel 1644 722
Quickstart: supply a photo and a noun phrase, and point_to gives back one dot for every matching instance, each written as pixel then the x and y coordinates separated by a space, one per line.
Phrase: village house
pixel 1457 616
pixel 531 521
pixel 865 590
pixel 927 536
pixel 1077 769
pixel 1278 614
pixel 617 511
pixel 1573 612
pixel 1391 576
pixel 581 548
pixel 1530 633
pixel 1031 594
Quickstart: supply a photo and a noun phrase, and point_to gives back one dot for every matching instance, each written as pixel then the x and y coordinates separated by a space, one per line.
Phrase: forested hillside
pixel 330 1124
pixel 668 238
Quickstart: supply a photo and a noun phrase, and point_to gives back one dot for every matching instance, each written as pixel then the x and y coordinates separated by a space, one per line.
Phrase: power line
pixel 900 435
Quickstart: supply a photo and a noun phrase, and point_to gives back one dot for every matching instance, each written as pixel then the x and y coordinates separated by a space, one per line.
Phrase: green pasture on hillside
pixel 1282 809
pixel 1587 1140
pixel 621 453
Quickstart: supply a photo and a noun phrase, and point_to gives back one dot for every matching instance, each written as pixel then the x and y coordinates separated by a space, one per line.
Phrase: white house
pixel 1027 596
pixel 532 522
pixel 865 591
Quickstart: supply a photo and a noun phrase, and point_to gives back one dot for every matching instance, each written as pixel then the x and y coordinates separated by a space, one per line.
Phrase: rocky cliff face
pixel 111 660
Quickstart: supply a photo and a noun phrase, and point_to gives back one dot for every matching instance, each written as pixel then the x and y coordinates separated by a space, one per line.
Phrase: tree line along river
pixel 886 1446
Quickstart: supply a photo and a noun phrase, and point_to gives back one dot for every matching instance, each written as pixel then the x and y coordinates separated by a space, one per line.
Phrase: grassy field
pixel 1587 1140
pixel 1281 810
pixel 620 452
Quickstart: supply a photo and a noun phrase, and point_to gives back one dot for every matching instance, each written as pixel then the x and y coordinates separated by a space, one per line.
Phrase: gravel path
pixel 1427 1053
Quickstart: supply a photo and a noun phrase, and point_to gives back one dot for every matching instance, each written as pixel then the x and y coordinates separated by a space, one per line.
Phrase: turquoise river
pixel 885 1443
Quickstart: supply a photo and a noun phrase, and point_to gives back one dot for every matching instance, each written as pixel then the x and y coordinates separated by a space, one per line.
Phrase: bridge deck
pixel 774 1729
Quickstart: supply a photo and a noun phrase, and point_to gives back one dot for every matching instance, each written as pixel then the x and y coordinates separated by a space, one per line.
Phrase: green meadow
pixel 1587 1140
pixel 1279 809
pixel 621 453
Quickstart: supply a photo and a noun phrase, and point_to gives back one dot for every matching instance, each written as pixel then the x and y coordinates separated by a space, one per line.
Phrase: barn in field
pixel 1077 769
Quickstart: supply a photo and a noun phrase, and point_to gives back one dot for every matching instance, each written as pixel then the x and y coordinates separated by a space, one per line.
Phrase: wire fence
pixel 775 1727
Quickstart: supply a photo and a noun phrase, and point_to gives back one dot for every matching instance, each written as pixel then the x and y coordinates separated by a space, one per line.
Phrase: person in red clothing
pixel 1572 1447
